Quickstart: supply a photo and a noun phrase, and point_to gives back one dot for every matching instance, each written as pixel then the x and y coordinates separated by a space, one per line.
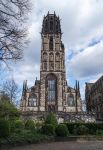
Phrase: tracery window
pixel 44 56
pixel 51 57
pixel 51 43
pixel 57 65
pixel 51 25
pixel 51 65
pixel 57 57
pixel 32 101
pixel 51 88
pixel 46 25
pixel 56 26
pixel 45 66
pixel 71 101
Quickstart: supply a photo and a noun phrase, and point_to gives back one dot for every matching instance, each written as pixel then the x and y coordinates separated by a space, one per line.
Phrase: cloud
pixel 89 62
pixel 82 27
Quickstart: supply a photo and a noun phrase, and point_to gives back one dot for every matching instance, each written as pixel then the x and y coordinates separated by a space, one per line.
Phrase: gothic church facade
pixel 51 93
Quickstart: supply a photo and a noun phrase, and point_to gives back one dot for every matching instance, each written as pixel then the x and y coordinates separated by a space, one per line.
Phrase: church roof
pixel 70 89
pixel 37 82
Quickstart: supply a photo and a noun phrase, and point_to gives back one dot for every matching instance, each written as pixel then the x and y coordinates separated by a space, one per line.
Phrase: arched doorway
pixel 51 93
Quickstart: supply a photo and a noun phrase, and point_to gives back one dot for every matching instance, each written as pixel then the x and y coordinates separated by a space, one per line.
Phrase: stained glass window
pixel 51 90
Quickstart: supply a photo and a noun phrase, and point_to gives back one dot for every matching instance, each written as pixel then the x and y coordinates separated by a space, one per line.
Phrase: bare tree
pixel 4 96
pixel 13 32
pixel 11 89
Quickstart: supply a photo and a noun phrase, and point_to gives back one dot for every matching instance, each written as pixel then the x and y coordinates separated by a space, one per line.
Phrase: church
pixel 51 93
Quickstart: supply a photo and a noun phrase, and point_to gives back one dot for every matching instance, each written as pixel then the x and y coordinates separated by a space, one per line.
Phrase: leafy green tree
pixel 51 119
pixel 4 128
pixel 8 110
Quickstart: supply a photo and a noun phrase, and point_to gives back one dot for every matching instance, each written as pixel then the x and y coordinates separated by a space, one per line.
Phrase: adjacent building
pixel 51 93
pixel 94 98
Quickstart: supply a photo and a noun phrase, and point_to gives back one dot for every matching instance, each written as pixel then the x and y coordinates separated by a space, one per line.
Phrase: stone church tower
pixel 52 71
pixel 51 93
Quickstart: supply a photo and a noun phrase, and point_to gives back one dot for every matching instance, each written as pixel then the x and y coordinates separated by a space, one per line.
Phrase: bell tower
pixel 52 69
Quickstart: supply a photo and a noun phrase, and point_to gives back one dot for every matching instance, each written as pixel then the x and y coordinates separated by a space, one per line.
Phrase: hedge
pixel 48 129
pixel 62 130
pixel 90 127
pixel 4 128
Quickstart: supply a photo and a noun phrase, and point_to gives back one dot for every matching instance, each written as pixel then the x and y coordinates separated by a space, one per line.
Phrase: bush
pixel 18 125
pixel 72 127
pixel 8 110
pixel 48 129
pixel 39 124
pixel 62 130
pixel 91 127
pixel 82 130
pixel 51 119
pixel 25 137
pixel 99 132
pixel 29 125
pixel 12 126
pixel 75 130
pixel 4 128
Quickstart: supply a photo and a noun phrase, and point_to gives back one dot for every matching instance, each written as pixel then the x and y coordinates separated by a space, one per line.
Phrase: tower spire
pixel 78 86
pixel 76 96
pixel 78 89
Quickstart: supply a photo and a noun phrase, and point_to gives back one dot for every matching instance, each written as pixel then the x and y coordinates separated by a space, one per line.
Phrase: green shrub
pixel 19 125
pixel 75 130
pixel 83 130
pixel 30 125
pixel 99 126
pixel 8 110
pixel 72 127
pixel 4 128
pixel 39 125
pixel 12 126
pixel 51 119
pixel 99 132
pixel 62 130
pixel 25 137
pixel 91 127
pixel 48 129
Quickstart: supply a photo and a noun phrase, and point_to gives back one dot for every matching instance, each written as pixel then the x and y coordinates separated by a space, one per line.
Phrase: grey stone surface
pixel 82 145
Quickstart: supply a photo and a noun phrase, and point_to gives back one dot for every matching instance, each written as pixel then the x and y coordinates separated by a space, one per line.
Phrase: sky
pixel 82 27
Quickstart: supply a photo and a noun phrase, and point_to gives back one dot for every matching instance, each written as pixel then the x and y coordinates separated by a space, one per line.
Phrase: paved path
pixel 82 145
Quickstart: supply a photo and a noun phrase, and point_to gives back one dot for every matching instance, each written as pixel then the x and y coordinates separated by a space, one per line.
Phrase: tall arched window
pixel 51 43
pixel 51 57
pixel 71 101
pixel 56 26
pixel 32 101
pixel 57 57
pixel 45 56
pixel 46 26
pixel 51 88
pixel 51 25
